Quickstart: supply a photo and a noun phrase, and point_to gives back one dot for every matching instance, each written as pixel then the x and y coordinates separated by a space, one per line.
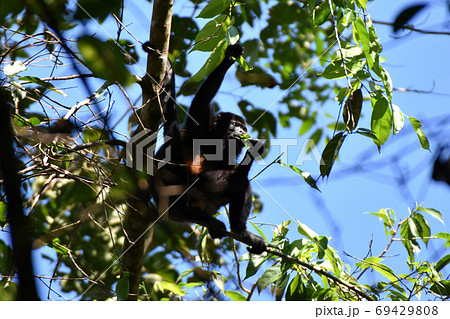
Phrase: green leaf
pixel 385 216
pixel 413 227
pixel 232 35
pixel 213 8
pixel 349 52
pixel 441 288
pixel 213 61
pixel 47 85
pixel 212 34
pixel 105 60
pixel 387 81
pixel 244 64
pixel 398 119
pixel 254 264
pixel 3 211
pixel 172 288
pixel 445 236
pixel 305 175
pixel 320 14
pixel 334 70
pixel 330 154
pixel 306 231
pixel 322 245
pixel 361 3
pixel 444 261
pixel 260 232
pixel 433 212
pixel 408 241
pixel 269 277
pixel 424 227
pixel 184 274
pixel 366 263
pixel 381 121
pixel 123 286
pixel 360 32
pixel 306 125
pixel 374 263
pixel 55 244
pixel 235 296
pixel 367 132
pixel 420 134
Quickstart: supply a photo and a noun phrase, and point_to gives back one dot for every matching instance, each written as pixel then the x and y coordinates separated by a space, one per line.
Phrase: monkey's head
pixel 230 126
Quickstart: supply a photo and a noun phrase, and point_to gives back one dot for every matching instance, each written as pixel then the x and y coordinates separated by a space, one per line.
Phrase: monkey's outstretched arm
pixel 200 109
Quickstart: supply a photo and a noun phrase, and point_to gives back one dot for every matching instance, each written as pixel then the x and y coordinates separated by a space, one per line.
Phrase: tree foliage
pixel 79 65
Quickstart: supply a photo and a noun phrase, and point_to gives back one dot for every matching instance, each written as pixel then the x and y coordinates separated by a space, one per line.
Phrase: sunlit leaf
pixel 260 232
pixel 375 263
pixel 398 119
pixel 361 3
pixel 214 8
pixel 235 296
pixel 321 13
pixel 212 34
pixel 360 32
pixel 381 121
pixel 305 175
pixel 232 35
pixel 420 134
pixel 433 212
pixel 172 288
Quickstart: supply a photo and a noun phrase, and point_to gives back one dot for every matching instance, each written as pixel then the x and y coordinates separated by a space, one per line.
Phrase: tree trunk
pixel 139 216
pixel 19 223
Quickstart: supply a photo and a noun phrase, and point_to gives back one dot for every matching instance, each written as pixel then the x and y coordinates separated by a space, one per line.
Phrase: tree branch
pixel 412 28
pixel 314 269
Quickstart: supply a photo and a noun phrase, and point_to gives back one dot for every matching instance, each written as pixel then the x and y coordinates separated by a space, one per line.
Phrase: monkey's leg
pixel 240 205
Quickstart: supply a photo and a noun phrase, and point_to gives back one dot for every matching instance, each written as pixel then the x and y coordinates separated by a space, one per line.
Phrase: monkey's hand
pixel 149 48
pixel 234 51
pixel 258 245
pixel 217 229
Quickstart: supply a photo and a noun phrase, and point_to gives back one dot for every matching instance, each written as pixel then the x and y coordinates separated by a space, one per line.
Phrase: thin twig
pixel 412 28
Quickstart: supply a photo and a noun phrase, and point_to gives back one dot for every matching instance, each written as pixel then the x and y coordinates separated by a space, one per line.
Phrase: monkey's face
pixel 230 126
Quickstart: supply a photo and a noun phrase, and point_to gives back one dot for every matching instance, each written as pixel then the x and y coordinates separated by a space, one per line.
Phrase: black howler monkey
pixel 200 174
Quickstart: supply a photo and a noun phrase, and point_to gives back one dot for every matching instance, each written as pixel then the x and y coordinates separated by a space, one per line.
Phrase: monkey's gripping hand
pixel 233 51
pixel 258 245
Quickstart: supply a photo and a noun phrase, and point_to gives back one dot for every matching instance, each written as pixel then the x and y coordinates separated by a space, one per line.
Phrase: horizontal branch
pixel 412 28
pixel 308 266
